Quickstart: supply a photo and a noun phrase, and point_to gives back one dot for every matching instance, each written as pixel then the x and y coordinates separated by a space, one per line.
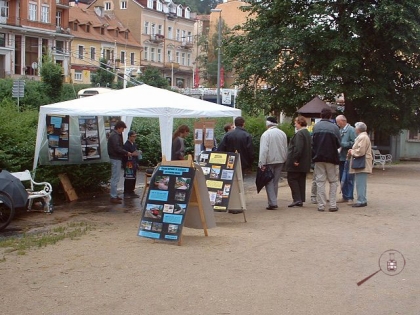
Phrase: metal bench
pixel 44 194
pixel 379 158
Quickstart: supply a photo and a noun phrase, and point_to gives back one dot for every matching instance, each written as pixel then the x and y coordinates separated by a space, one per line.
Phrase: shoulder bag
pixel 358 162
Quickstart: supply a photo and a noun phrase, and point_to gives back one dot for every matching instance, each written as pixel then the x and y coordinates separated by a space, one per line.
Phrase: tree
pixel 104 76
pixel 153 77
pixel 52 77
pixel 366 50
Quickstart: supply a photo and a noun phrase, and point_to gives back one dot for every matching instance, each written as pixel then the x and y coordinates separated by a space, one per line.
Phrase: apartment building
pixel 29 30
pixel 166 32
pixel 99 34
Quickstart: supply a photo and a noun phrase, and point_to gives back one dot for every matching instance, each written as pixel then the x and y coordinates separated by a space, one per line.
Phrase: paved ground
pixel 289 261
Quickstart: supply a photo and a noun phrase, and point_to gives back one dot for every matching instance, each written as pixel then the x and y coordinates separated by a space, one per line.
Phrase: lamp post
pixel 219 52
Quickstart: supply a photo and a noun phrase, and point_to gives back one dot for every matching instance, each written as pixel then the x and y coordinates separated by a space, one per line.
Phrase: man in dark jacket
pixel 116 153
pixel 130 165
pixel 241 141
pixel 325 145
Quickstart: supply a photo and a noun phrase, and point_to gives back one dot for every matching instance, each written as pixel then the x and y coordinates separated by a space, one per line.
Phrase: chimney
pixel 99 10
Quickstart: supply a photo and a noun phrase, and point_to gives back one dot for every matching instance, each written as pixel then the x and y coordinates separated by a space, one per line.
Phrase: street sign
pixel 18 89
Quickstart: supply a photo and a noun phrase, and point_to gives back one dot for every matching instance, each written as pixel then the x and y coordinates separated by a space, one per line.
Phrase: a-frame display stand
pixel 198 199
pixel 237 195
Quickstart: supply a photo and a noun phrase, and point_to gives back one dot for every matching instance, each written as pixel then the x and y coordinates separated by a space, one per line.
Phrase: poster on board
pixel 58 137
pixel 219 171
pixel 89 137
pixel 167 203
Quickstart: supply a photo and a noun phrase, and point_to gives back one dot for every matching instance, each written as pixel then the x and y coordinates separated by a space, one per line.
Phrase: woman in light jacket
pixel 362 146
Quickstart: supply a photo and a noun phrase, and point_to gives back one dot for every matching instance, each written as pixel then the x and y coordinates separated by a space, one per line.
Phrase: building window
pixel 159 6
pixel 179 10
pixel 58 18
pixel 132 59
pixel 45 14
pixel 78 76
pixel 102 31
pixel 152 54
pixel 146 53
pixel 153 29
pixel 59 46
pixel 170 35
pixel 107 6
pixel 80 51
pixel 122 56
pixel 126 35
pixel 92 53
pixel 414 135
pixel 189 37
pixel 159 55
pixel 184 36
pixel 74 26
pixel 183 59
pixel 187 13
pixel 178 35
pixel 4 9
pixel 177 57
pixel 33 8
pixel 2 40
pixel 170 55
pixel 160 30
pixel 87 28
pixel 146 28
pixel 150 4
pixel 188 60
pixel 123 5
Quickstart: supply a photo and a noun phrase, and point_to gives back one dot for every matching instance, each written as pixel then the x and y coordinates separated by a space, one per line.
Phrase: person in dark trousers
pixel 178 142
pixel 298 162
pixel 131 165
pixel 325 144
pixel 241 141
pixel 116 153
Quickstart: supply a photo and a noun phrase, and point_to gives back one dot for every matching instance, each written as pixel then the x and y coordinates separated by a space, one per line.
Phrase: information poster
pixel 219 171
pixel 167 203
pixel 89 137
pixel 109 124
pixel 58 137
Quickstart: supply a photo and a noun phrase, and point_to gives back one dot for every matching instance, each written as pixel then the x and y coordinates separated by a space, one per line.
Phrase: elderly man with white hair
pixel 362 147
pixel 273 154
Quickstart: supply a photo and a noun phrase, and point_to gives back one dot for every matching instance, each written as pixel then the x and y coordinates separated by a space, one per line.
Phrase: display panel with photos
pixel 167 203
pixel 89 137
pixel 219 170
pixel 58 137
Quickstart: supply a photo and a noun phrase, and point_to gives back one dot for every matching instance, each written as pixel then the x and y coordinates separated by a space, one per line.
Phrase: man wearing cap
pixel 130 165
pixel 273 153
pixel 116 153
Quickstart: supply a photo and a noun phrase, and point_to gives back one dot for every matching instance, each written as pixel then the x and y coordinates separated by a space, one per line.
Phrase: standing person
pixel 241 141
pixel 361 147
pixel 273 154
pixel 325 145
pixel 347 140
pixel 130 181
pixel 116 153
pixel 299 162
pixel 178 142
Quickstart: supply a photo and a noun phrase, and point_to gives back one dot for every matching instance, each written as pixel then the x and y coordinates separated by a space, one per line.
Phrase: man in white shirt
pixel 273 154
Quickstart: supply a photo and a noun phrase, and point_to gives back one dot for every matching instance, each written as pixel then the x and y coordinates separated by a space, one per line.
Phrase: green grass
pixel 20 244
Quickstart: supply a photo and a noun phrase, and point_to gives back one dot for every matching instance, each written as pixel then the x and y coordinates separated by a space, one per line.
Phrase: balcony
pixel 157 38
pixel 171 16
pixel 187 44
pixel 63 4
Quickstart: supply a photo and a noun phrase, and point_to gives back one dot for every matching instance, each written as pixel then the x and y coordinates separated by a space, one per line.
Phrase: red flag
pixel 196 78
pixel 222 77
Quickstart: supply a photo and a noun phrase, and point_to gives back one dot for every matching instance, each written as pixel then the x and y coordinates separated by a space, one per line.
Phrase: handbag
pixel 263 178
pixel 358 162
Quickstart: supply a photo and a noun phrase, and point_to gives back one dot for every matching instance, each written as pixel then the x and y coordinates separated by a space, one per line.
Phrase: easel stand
pixel 196 198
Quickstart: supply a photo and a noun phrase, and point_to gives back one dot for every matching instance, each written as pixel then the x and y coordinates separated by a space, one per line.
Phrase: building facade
pixel 29 30
pixel 165 30
pixel 98 35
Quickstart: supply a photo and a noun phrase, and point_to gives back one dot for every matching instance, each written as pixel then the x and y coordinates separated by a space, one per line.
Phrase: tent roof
pixel 313 107
pixel 141 101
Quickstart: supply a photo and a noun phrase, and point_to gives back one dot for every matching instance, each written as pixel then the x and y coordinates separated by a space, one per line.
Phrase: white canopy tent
pixel 139 101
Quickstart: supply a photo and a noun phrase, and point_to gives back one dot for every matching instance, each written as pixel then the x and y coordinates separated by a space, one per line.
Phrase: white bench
pixel 379 158
pixel 45 193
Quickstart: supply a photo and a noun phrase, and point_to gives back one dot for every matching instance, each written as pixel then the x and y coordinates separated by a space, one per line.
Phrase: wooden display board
pixel 224 180
pixel 174 189
pixel 204 136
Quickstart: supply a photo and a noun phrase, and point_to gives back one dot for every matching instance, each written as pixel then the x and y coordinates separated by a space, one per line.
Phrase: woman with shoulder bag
pixel 361 150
